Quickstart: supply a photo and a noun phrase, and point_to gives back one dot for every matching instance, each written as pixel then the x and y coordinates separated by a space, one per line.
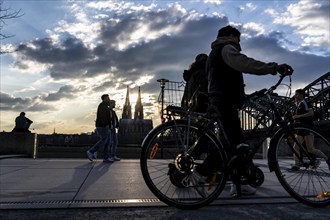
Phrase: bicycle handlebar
pixel 264 91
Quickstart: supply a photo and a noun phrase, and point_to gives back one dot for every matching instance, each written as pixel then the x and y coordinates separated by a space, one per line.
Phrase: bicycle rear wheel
pixel 183 166
pixel 310 183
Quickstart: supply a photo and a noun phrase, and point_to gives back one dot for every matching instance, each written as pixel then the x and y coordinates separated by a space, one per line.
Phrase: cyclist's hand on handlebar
pixel 284 69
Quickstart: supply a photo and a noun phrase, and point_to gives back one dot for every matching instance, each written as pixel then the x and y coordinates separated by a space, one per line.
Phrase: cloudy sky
pixel 63 55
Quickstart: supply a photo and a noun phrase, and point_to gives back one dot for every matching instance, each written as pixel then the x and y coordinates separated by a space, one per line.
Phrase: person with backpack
pixel 304 114
pixel 196 80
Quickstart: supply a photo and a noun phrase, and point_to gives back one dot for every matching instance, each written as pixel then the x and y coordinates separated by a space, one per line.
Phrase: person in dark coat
pixel 103 130
pixel 196 80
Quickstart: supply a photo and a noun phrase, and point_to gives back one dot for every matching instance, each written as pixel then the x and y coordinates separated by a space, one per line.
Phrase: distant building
pixel 138 113
pixel 66 140
pixel 131 132
pixel 127 110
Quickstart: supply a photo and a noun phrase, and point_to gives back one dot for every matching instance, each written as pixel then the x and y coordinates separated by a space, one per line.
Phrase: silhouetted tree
pixel 6 14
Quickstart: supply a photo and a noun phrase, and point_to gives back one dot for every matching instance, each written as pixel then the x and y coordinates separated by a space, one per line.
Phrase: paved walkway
pixel 74 183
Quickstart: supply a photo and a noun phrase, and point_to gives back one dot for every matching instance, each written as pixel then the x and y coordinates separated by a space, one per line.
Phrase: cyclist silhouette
pixel 225 67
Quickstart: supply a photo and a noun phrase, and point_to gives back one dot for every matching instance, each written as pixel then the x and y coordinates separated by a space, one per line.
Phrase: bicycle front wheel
pixel 183 165
pixel 309 182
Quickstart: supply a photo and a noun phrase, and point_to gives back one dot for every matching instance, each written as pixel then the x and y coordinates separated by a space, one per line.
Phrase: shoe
pixel 328 162
pixel 294 168
pixel 90 155
pixel 115 158
pixel 245 190
pixel 317 164
pixel 109 160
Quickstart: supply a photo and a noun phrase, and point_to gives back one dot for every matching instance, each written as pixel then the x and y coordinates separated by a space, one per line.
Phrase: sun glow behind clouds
pixel 29 67
pixel 143 80
pixel 96 47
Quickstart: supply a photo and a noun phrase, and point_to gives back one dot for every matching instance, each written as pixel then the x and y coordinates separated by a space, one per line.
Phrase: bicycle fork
pixel 290 139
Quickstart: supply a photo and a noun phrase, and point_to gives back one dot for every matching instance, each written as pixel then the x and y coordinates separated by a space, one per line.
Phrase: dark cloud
pixel 45 51
pixel 37 103
pixel 324 10
pixel 318 12
pixel 307 67
pixel 164 57
pixel 66 60
pixel 104 86
pixel 71 59
pixel 41 107
pixel 9 102
pixel 63 92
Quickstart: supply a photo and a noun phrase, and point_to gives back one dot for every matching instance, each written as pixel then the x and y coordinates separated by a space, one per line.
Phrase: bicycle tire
pixel 164 154
pixel 310 184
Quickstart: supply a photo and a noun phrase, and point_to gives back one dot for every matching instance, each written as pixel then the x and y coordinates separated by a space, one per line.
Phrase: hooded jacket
pixel 225 67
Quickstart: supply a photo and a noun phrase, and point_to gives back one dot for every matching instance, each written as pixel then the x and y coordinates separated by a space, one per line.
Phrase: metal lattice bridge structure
pixel 317 93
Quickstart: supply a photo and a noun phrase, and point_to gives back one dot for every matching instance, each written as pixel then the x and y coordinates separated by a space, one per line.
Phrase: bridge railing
pixel 171 94
pixel 318 94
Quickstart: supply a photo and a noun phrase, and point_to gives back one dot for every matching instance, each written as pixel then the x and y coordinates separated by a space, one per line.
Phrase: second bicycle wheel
pixel 183 165
pixel 309 182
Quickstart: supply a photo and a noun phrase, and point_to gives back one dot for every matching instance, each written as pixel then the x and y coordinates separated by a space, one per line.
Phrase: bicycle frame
pixel 194 168
pixel 278 121
pixel 212 118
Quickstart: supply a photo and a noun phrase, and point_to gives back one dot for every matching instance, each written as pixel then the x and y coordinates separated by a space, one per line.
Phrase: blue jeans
pixel 104 135
pixel 114 143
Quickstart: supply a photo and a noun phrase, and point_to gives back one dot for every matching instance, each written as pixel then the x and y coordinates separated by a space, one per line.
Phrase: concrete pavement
pixel 75 183
pixel 74 189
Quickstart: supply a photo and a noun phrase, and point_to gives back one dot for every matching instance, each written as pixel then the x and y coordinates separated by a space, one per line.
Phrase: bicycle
pixel 187 161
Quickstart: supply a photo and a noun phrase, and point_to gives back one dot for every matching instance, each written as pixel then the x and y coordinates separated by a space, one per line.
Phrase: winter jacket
pixel 225 67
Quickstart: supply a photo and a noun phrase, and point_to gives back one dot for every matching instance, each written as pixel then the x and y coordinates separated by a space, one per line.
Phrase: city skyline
pixel 64 56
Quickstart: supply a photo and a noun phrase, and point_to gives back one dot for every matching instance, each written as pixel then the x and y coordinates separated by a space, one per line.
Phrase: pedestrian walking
pixel 114 127
pixel 103 130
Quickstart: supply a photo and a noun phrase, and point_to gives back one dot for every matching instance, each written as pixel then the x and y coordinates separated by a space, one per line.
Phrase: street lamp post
pixel 162 83
pixel 162 86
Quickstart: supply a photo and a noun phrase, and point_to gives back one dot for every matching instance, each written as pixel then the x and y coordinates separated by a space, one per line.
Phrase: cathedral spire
pixel 127 109
pixel 138 113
